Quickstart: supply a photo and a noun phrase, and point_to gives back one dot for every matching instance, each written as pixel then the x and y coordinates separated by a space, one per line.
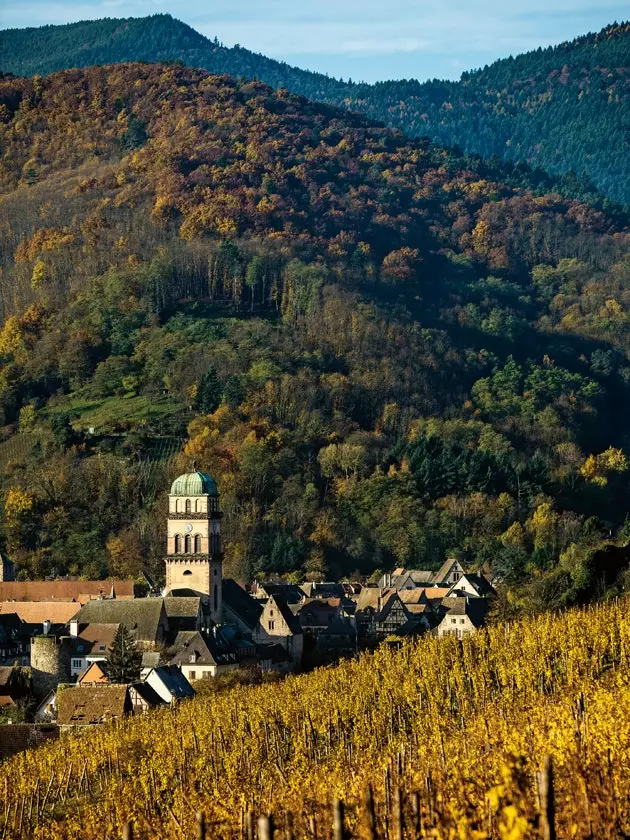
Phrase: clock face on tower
pixel 188 527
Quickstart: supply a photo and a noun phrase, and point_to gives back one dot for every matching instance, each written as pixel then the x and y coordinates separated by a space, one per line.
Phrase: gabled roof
pixel 478 583
pixel 63 590
pixel 327 589
pixel 141 616
pixel 240 602
pixel 95 639
pixel 174 680
pixel 292 621
pixel 289 592
pixel 445 568
pixel 476 609
pixel 94 672
pixel 341 626
pixel 36 612
pixel 205 649
pixel 87 705
pixel 148 693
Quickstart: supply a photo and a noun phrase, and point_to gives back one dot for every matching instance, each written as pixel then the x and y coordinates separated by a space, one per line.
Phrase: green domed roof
pixel 194 484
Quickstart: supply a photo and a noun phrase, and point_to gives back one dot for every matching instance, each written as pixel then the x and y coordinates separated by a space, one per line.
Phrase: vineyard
pixel 447 736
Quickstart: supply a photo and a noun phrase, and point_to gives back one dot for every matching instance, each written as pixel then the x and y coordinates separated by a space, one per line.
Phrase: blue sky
pixel 361 39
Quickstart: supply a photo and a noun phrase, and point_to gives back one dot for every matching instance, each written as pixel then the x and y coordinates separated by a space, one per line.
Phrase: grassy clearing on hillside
pixel 466 722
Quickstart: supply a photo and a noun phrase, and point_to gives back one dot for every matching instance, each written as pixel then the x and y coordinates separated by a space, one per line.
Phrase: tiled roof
pixel 239 601
pixel 177 607
pixel 63 590
pixel 141 616
pixel 86 705
pixel 39 611
pixel 205 649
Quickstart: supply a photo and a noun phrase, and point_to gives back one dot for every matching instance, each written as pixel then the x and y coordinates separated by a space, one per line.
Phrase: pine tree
pixel 124 658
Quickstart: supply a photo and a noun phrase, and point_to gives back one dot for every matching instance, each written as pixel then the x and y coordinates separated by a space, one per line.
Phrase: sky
pixel 366 40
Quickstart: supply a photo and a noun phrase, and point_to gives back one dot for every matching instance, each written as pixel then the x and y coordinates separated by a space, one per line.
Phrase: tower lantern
pixel 193 552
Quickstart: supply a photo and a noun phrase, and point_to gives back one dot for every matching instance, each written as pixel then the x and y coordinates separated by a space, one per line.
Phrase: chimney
pixel 74 628
pixel 47 624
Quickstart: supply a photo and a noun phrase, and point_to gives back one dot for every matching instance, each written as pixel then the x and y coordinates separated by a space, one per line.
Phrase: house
pixel 239 608
pixel 143 698
pixel 278 625
pixel 291 593
pixel 14 642
pixel 14 685
pixel 150 659
pixel 463 616
pixel 91 645
pixel 90 705
pixel 65 590
pixel 317 614
pixel 46 710
pixel 339 638
pixel 475 586
pixel 95 672
pixel 40 616
pixel 327 589
pixel 145 618
pixel 273 658
pixel 449 573
pixel 169 683
pixel 201 656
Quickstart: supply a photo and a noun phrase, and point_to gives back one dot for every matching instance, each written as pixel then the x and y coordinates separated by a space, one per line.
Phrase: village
pixel 57 637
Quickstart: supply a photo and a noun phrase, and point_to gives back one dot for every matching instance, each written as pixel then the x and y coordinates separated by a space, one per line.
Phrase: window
pixel 272 625
pixel 270 612
pixel 206 675
pixel 188 506
pixel 197 543
pixel 178 506
pixel 178 544
pixel 198 506
pixel 77 663
pixel 453 621
pixel 187 544
pixel 187 572
pixel 462 621
pixel 192 675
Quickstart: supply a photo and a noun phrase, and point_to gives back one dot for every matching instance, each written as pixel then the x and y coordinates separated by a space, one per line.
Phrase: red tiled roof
pixel 36 612
pixel 63 590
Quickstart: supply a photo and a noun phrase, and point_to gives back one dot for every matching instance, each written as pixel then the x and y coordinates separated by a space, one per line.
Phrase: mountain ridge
pixel 560 108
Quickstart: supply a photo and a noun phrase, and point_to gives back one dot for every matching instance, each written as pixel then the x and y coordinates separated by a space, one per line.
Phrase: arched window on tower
pixel 197 543
pixel 187 544
pixel 178 544
pixel 198 508
pixel 188 506
pixel 178 506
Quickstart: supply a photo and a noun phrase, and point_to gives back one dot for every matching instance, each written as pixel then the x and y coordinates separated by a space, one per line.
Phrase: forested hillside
pixel 560 109
pixel 382 353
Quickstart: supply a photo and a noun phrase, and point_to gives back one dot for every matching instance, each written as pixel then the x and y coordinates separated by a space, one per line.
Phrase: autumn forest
pixel 384 350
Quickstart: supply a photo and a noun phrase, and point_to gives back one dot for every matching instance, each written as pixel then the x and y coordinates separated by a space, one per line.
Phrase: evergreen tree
pixel 209 392
pixel 124 658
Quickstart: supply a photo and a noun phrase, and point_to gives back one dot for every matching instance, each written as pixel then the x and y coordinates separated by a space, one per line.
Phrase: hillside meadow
pixel 464 724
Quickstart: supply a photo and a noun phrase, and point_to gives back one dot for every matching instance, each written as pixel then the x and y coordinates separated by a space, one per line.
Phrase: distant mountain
pixel 562 108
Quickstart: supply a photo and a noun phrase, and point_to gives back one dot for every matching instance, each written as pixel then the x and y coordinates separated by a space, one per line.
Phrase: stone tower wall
pixel 50 664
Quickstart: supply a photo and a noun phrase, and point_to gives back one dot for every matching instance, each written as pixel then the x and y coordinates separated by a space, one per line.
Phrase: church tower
pixel 193 550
